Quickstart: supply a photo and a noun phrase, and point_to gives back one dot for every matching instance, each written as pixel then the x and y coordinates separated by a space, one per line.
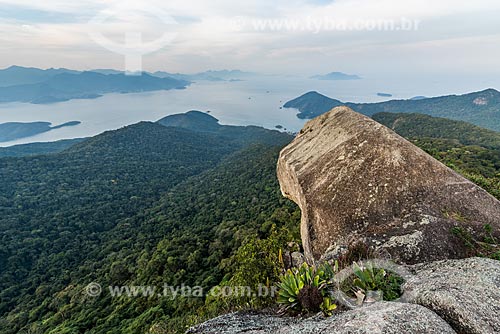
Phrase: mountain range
pixel 210 75
pixel 85 85
pixel 18 75
pixel 479 108
pixel 33 85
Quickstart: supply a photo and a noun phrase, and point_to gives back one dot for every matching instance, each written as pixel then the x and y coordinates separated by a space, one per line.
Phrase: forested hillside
pixel 425 126
pixel 152 205
pixel 87 215
pixel 31 149
pixel 469 149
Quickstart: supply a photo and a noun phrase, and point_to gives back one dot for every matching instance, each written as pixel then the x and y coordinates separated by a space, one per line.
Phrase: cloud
pixel 15 13
pixel 220 33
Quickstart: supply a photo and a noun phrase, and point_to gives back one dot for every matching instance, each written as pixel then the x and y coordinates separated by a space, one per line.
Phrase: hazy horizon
pixel 410 39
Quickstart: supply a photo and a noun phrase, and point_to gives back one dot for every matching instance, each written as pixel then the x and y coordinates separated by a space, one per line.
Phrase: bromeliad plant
pixel 369 279
pixel 307 289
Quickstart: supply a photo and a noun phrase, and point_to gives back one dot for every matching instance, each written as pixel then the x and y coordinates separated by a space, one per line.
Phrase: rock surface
pixel 355 179
pixel 387 318
pixel 242 322
pixel 466 293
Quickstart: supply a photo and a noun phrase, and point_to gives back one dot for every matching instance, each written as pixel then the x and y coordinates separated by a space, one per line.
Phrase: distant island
pixel 416 98
pixel 16 130
pixel 479 108
pixel 336 76
pixel 384 94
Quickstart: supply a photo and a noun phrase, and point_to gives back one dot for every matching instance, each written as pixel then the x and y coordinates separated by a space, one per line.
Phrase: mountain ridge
pixel 19 75
pixel 481 108
pixel 85 85
pixel 412 125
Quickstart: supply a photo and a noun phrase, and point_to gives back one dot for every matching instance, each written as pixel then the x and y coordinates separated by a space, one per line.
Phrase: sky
pixel 402 38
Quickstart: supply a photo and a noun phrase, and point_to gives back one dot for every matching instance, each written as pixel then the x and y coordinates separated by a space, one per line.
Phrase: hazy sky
pixel 366 37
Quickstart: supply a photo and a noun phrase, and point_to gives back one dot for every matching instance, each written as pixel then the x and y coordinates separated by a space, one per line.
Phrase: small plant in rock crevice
pixel 370 280
pixel 307 289
pixel 483 244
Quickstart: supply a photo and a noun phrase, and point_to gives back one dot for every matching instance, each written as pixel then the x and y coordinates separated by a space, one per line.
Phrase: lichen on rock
pixel 378 318
pixel 466 293
pixel 356 180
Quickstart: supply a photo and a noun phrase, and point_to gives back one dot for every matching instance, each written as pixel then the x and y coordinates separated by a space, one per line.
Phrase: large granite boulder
pixel 354 179
pixel 379 318
pixel 466 293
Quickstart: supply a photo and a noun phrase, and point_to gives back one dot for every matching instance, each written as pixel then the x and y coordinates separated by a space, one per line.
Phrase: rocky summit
pixel 465 293
pixel 379 318
pixel 356 180
pixel 449 296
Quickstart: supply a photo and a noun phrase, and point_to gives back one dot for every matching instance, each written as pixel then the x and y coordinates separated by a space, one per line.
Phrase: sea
pixel 256 100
